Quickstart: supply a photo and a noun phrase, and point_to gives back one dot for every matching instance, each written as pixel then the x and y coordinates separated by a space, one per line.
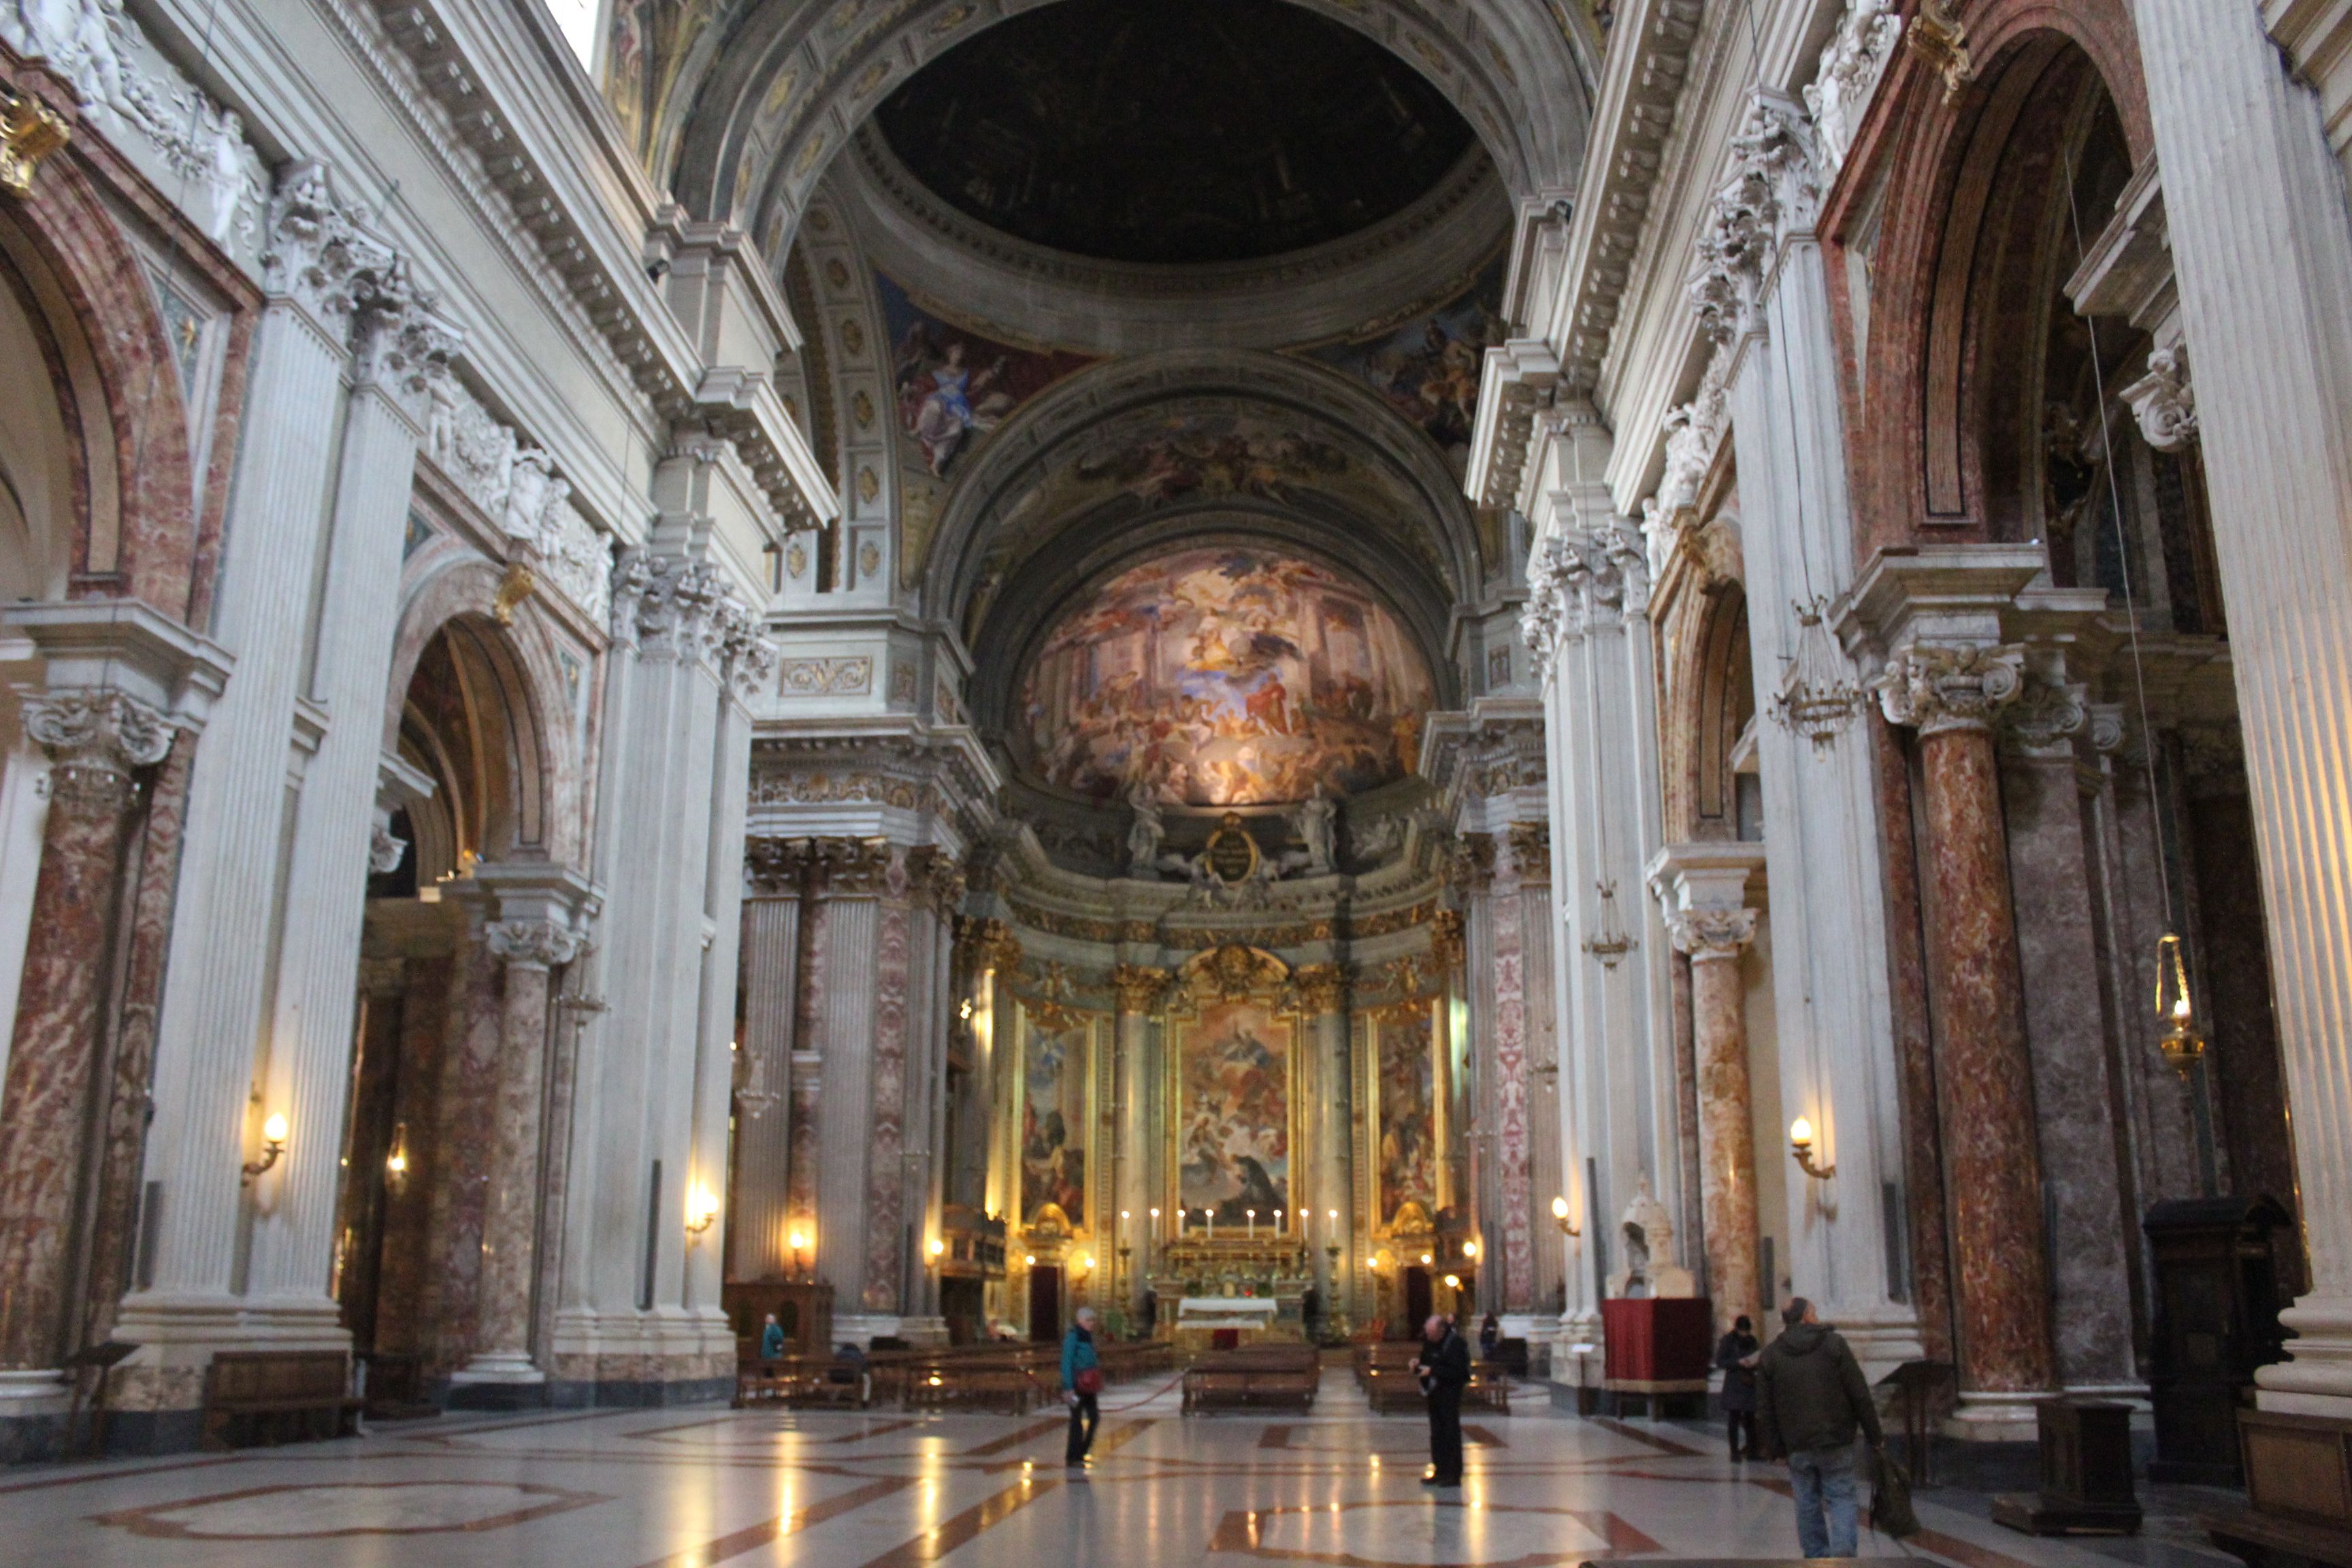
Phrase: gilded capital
pixel 1447 943
pixel 1138 986
pixel 1322 989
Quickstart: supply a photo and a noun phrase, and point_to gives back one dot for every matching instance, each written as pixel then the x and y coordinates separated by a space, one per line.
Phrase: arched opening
pixel 466 806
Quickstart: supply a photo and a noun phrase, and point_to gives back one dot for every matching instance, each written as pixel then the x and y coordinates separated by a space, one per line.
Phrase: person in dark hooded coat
pixel 1810 1399
pixel 1737 1355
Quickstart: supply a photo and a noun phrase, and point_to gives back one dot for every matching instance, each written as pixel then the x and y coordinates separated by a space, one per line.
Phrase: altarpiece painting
pixel 1234 1128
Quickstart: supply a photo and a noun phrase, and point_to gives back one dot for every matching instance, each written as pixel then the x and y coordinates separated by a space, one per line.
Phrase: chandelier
pixel 1818 694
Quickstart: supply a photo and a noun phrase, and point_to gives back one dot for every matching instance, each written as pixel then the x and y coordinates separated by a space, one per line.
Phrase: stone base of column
pixel 1996 1418
pixel 1881 1341
pixel 502 1380
pixel 155 1400
pixel 2316 1377
pixel 671 1356
pixel 34 1408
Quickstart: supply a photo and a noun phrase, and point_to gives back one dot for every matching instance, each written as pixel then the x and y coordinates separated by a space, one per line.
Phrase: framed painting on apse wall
pixel 1404 1104
pixel 1055 1067
pixel 1236 1124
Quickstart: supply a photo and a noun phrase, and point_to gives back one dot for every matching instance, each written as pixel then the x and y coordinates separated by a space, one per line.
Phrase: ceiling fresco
pixel 1427 369
pixel 1224 677
pixel 953 385
pixel 1215 130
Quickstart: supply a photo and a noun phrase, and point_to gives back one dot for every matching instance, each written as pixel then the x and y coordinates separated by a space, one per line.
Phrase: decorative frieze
pixel 827 677
pixel 1939 686
pixel 1852 64
pixel 132 95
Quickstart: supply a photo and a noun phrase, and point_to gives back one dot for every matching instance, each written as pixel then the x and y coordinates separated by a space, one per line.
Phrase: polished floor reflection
pixel 696 1488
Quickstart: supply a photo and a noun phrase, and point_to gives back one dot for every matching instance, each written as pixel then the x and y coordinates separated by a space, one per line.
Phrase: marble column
pixel 845 992
pixel 884 1230
pixel 1714 939
pixel 98 741
pixel 1952 693
pixel 228 921
pixel 400 345
pixel 2264 257
pixel 1524 857
pixel 1137 990
pixel 757 1208
pixel 1322 990
pixel 527 951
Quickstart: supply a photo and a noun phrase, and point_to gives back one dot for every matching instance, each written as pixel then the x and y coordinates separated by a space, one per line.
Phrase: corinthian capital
pixel 399 338
pixel 1138 987
pixel 1771 189
pixel 540 945
pixel 1711 934
pixel 1322 989
pixel 315 250
pixel 1936 687
pixel 95 739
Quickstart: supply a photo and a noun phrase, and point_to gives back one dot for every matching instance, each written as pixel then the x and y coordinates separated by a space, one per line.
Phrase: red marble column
pixel 529 950
pixel 96 741
pixel 1714 939
pixel 886 1254
pixel 1985 1081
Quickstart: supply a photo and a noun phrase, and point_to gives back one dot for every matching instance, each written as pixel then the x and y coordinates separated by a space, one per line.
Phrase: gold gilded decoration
pixel 861 408
pixel 1321 988
pixel 811 151
pixel 869 557
pixel 1939 37
pixel 796 560
pixel 948 20
pixel 1530 844
pixel 517 585
pixel 29 132
pixel 1231 855
pixel 1233 971
pixel 836 272
pixel 1138 987
pixel 869 485
pixel 853 338
pixel 990 944
pixel 1445 940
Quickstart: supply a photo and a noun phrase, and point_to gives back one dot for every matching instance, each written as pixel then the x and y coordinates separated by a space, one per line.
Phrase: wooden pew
pixel 277 1396
pixel 1254 1377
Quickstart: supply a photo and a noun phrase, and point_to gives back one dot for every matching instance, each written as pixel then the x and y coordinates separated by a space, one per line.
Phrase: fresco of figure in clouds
pixel 1233 1148
pixel 1220 678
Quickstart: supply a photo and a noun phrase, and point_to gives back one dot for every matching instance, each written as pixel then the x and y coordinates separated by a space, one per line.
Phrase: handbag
pixel 1890 1498
pixel 1088 1381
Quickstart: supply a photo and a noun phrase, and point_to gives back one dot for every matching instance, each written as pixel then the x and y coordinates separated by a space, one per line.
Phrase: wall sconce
pixel 1453 1282
pixel 701 1211
pixel 395 1160
pixel 1085 1263
pixel 1470 1249
pixel 2180 1043
pixel 1559 1212
pixel 273 1146
pixel 1030 1259
pixel 938 1251
pixel 1426 1260
pixel 1801 1145
pixel 963 1010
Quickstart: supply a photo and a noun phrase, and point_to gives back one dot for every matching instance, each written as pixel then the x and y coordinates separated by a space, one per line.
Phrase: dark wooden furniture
pixel 1923 1389
pixel 1657 1353
pixel 1254 1377
pixel 2218 1295
pixel 2086 1474
pixel 277 1396
pixel 2299 1481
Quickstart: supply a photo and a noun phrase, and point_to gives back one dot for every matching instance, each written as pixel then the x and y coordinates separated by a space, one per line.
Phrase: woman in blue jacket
pixel 1082 1381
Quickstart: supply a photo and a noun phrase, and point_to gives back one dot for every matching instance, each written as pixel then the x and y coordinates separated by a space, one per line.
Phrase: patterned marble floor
pixel 696 1488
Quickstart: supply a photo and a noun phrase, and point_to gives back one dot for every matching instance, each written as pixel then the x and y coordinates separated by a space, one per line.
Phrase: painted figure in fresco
pixel 1224 677
pixel 1053 1169
pixel 945 410
pixel 1408 1165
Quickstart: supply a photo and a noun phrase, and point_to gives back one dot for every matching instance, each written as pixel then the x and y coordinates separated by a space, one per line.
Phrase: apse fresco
pixel 1225 677
pixel 1427 370
pixel 953 385
pixel 1234 1137
pixel 1052 1124
pixel 1408 1161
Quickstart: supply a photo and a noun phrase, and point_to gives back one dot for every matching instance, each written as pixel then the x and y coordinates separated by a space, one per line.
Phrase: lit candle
pixel 1277 1221
pixel 1253 1223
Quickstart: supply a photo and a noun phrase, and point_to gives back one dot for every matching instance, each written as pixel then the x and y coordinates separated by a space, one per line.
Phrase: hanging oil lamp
pixel 2182 1047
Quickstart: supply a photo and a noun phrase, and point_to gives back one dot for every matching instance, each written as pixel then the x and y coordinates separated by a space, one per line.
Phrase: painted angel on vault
pixel 940 397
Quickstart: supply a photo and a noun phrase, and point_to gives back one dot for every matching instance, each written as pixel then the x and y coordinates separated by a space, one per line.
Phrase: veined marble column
pixel 97 740
pixel 886 1121
pixel 1138 989
pixel 401 345
pixel 529 950
pixel 1525 857
pixel 1715 938
pixel 844 987
pixel 1323 996
pixel 2255 209
pixel 1951 694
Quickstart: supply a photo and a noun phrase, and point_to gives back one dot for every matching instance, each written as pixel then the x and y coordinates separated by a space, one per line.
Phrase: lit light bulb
pixel 1426 1260
pixel 1800 1132
pixel 1453 1282
pixel 1559 1208
pixel 273 1130
pixel 1469 1249
pixel 938 1246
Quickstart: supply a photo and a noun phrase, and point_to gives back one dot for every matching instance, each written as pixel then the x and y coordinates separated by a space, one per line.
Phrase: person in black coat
pixel 1444 1371
pixel 1736 1356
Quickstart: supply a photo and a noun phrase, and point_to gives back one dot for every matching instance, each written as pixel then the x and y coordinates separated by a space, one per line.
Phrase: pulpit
pixel 1656 1352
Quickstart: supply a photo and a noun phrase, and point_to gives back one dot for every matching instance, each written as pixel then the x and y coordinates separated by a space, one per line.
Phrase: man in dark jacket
pixel 1810 1399
pixel 1444 1371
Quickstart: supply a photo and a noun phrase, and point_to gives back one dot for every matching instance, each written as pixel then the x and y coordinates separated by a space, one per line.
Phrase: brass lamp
pixel 2182 1046
pixel 395 1161
pixel 1559 1213
pixel 1800 1146
pixel 273 1146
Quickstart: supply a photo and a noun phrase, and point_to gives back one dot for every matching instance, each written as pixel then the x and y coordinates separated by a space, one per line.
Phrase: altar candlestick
pixel 1253 1223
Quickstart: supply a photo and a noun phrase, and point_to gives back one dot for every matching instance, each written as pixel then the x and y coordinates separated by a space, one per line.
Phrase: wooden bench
pixel 255 1397
pixel 1393 1386
pixel 1254 1377
pixel 1005 1385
